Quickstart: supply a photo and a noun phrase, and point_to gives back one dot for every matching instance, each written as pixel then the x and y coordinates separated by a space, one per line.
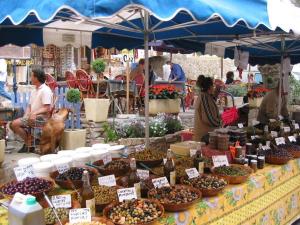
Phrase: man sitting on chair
pixel 38 109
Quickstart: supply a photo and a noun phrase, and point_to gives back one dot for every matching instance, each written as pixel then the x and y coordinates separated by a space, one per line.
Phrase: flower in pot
pixel 73 96
pixel 237 90
pixel 98 66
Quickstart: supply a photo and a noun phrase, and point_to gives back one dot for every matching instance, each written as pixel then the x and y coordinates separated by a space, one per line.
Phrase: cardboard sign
pixel 143 174
pixel 80 215
pixel 106 158
pixel 192 173
pixel 292 139
pixel 240 125
pixel 61 201
pixel 220 160
pixel 286 129
pixel 23 172
pixel 160 182
pixel 126 194
pixel 280 141
pixel 193 152
pixel 296 125
pixel 274 134
pixel 109 180
pixel 61 168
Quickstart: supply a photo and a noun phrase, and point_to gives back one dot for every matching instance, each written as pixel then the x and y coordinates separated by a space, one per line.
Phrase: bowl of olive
pixel 104 195
pixel 150 158
pixel 118 167
pixel 95 221
pixel 234 173
pixel 209 185
pixel 72 178
pixel 176 198
pixel 136 211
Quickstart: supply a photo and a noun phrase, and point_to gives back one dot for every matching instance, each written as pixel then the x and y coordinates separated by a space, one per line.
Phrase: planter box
pixel 96 109
pixel 164 106
pixel 73 139
pixel 255 102
pixel 238 101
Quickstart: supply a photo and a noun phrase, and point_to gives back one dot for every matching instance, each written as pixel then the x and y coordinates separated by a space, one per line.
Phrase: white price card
pixel 126 194
pixel 165 160
pixel 22 172
pixel 61 201
pixel 192 173
pixel 220 160
pixel 286 129
pixel 61 168
pixel 280 141
pixel 272 120
pixel 160 182
pixel 80 215
pixel 106 158
pixel 240 125
pixel 296 125
pixel 280 117
pixel 143 174
pixel 193 152
pixel 255 122
pixel 109 180
pixel 292 139
pixel 274 134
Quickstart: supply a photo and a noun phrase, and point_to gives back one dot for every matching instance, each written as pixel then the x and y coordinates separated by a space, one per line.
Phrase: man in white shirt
pixel 3 77
pixel 38 110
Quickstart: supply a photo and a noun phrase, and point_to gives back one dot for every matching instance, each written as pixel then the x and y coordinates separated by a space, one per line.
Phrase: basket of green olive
pixel 118 167
pixel 209 185
pixel 136 211
pixel 176 198
pixel 104 195
pixel 150 158
pixel 73 177
pixel 233 174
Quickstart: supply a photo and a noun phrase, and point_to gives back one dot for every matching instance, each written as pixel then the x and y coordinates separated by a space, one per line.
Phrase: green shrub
pixel 110 134
pixel 237 91
pixel 98 66
pixel 73 95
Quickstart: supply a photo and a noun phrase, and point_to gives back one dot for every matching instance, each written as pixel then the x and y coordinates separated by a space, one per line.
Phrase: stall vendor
pixel 207 117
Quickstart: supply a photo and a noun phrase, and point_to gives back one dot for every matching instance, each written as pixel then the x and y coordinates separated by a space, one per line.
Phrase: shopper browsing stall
pixel 207 117
pixel 177 73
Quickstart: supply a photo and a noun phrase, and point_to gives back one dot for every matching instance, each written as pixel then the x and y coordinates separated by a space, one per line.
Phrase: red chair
pixel 71 80
pixel 51 82
pixel 85 83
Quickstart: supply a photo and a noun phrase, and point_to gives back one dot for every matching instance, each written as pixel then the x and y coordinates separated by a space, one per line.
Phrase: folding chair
pixel 71 80
pixel 85 83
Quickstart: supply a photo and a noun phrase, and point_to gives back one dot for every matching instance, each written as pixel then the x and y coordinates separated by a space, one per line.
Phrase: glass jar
pixel 253 165
pixel 260 162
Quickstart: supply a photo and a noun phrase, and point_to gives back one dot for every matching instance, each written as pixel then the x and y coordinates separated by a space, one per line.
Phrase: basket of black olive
pixel 150 158
pixel 136 211
pixel 233 174
pixel 118 167
pixel 176 198
pixel 146 185
pixel 73 177
pixel 33 186
pixel 277 156
pixel 293 149
pixel 209 185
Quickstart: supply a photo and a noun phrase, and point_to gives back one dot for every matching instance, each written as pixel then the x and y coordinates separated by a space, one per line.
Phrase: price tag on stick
pixel 220 160
pixel 274 134
pixel 126 194
pixel 160 182
pixel 193 152
pixel 80 215
pixel 296 126
pixel 109 180
pixel 106 158
pixel 192 173
pixel 143 174
pixel 61 168
pixel 61 201
pixel 292 139
pixel 23 172
pixel 240 125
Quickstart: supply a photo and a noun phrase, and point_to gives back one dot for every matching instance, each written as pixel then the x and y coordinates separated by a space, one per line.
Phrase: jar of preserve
pixel 260 162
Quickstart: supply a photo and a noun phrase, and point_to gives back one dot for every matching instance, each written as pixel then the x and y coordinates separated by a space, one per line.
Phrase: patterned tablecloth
pixel 270 197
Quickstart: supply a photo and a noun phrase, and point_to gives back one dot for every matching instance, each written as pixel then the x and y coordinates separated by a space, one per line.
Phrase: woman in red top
pixel 138 76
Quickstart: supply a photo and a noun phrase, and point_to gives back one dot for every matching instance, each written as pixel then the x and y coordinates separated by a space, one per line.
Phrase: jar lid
pixel 63 160
pixel 253 161
pixel 261 157
pixel 100 146
pixel 49 157
pixel 66 152
pixel 84 149
pixel 28 161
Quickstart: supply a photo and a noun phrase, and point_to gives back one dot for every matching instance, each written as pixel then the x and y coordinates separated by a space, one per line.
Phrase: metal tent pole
pixel 280 75
pixel 146 49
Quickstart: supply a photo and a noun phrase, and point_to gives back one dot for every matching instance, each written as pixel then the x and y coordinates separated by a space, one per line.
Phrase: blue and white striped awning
pixel 120 24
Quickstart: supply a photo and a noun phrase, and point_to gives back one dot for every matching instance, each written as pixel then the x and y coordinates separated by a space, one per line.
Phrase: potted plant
pixel 238 92
pixel 97 109
pixel 73 138
pixel 256 95
pixel 164 99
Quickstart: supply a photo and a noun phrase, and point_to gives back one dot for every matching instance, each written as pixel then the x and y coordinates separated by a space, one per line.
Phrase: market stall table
pixel 270 196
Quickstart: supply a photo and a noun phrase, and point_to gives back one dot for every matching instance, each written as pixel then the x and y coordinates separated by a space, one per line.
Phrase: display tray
pixel 235 179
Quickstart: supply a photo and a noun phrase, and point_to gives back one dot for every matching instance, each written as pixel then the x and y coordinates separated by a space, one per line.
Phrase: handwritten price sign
pixel 192 173
pixel 143 174
pixel 106 158
pixel 23 172
pixel 220 160
pixel 126 194
pixel 160 182
pixel 61 201
pixel 61 168
pixel 109 180
pixel 80 215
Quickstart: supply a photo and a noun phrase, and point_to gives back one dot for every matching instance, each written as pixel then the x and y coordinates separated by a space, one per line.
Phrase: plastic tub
pixel 64 160
pixel 83 150
pixel 43 169
pixel 80 159
pixel 100 146
pixel 28 161
pixel 50 157
pixel 116 151
pixel 66 153
pixel 97 154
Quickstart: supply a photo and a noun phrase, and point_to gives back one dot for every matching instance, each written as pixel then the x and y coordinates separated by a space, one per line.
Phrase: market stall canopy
pixel 121 23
